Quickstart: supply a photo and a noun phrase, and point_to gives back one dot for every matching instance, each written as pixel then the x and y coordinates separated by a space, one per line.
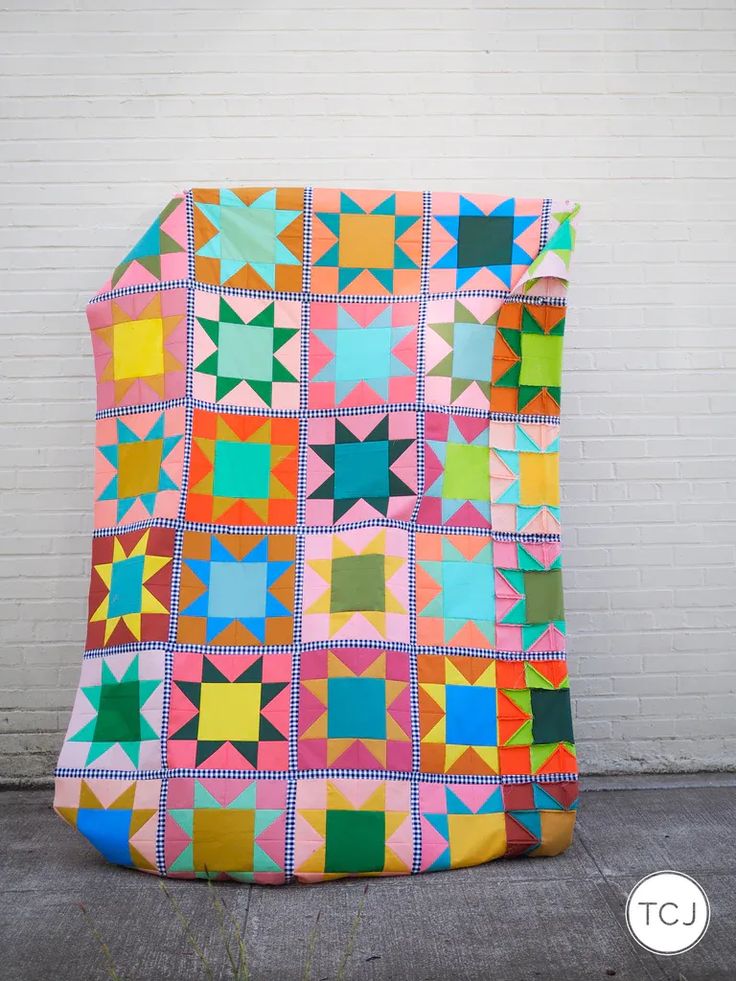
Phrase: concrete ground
pixel 554 918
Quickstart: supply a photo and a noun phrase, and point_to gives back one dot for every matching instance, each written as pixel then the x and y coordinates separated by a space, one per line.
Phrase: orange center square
pixel 367 241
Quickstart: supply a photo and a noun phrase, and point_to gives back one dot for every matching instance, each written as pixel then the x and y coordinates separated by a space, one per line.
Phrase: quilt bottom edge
pixel 236 829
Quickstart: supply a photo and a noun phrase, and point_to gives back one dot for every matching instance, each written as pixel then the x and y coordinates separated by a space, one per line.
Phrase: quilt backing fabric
pixel 326 629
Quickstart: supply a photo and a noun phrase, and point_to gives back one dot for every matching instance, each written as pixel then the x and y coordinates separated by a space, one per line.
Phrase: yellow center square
pixel 138 349
pixel 367 241
pixel 540 479
pixel 229 712
pixel 223 840
pixel 476 838
pixel 139 467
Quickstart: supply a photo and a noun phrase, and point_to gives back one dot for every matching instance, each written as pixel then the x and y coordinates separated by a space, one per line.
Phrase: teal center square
pixel 361 470
pixel 363 353
pixel 242 469
pixel 237 590
pixel 118 715
pixel 356 708
pixel 126 587
pixel 245 352
pixel 470 715
pixel 472 351
pixel 467 591
pixel 355 841
pixel 358 583
pixel 248 234
pixel 551 714
pixel 484 241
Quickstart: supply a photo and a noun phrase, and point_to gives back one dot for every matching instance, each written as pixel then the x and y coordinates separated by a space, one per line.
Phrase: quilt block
pixel 326 629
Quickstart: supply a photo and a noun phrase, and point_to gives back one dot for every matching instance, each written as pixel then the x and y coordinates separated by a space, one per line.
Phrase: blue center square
pixel 470 716
pixel 126 587
pixel 356 708
pixel 237 590
pixel 108 831
pixel 361 470
pixel 472 351
pixel 363 353
pixel 468 592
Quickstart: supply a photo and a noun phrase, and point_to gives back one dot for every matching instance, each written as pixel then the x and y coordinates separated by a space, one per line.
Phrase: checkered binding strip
pixel 331 773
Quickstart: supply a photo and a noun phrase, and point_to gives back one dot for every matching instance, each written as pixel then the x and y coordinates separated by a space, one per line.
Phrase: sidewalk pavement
pixel 559 918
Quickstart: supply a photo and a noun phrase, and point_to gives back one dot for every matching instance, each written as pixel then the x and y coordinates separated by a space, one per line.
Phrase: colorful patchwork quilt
pixel 326 628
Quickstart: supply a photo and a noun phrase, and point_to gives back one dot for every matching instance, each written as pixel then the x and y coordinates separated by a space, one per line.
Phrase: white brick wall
pixel 625 105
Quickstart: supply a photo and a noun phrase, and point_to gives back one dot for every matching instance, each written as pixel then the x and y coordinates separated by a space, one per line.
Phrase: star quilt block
pixel 246 351
pixel 230 711
pixel 367 242
pixel 457 487
pixel 139 344
pixel 361 467
pixel 458 714
pixel 527 359
pixel 356 585
pixel 482 241
pixel 456 590
pixel 251 238
pixel 362 354
pixel 236 589
pixel 352 827
pixel 116 720
pixel 119 817
pixel 524 477
pixel 243 469
pixel 230 828
pixel 460 343
pixel 130 588
pixel 138 467
pixel 160 254
pixel 355 709
pixel 460 823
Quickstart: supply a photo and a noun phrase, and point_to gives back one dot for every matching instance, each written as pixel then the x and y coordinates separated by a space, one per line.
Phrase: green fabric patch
pixel 357 584
pixel 356 841
pixel 467 473
pixel 541 360
pixel 552 716
pixel 119 716
pixel 484 241
pixel 543 596
pixel 245 352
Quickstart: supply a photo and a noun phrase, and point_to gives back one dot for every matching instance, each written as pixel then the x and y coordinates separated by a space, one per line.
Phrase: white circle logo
pixel 667 912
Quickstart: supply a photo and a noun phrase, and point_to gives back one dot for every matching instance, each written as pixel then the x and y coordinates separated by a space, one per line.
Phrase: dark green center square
pixel 552 718
pixel 543 596
pixel 119 716
pixel 357 584
pixel 484 241
pixel 356 841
